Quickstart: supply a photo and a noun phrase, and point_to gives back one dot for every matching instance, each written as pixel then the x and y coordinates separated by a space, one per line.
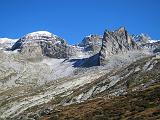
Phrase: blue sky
pixel 74 19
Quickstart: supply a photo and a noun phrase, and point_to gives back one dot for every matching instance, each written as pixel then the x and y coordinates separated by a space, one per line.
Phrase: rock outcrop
pixel 116 42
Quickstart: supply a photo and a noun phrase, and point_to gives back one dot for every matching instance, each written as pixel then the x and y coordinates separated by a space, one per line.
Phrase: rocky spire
pixel 115 42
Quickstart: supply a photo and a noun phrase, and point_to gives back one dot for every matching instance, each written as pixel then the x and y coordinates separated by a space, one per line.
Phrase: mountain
pixel 112 43
pixel 41 43
pixel 92 43
pixel 143 39
pixel 146 42
pixel 103 77
pixel 6 43
pixel 88 47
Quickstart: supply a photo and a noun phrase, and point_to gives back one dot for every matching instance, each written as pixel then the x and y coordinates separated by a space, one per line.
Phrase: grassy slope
pixel 142 105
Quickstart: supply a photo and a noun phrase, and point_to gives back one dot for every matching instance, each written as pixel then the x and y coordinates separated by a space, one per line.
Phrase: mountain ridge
pixel 42 74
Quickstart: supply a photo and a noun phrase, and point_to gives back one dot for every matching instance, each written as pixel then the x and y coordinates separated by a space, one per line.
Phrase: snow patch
pixel 153 41
pixel 40 33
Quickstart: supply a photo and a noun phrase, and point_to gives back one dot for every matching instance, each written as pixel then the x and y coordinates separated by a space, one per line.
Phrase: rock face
pixel 92 43
pixel 116 42
pixel 42 43
pixel 32 51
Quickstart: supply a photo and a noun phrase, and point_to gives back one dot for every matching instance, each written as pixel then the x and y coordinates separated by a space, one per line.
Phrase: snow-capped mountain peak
pixel 39 33
pixel 153 41
pixel 7 42
pixel 143 39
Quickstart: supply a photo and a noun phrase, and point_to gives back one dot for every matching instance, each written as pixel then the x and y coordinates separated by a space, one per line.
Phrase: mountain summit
pixel 41 43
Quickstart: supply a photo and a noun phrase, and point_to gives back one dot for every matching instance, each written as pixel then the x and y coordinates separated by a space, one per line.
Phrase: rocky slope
pixel 143 105
pixel 46 101
pixel 47 75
